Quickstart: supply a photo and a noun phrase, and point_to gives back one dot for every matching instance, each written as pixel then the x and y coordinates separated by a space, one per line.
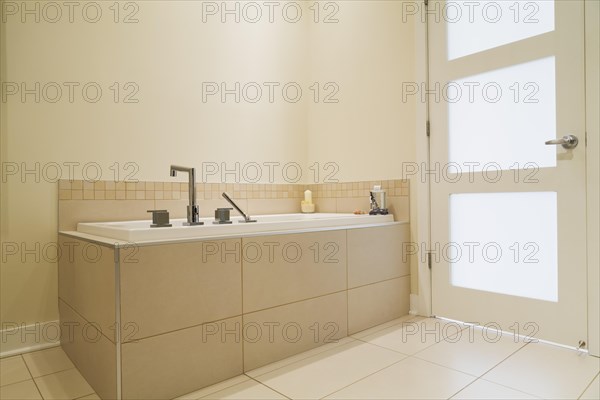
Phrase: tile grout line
pixel 242 301
pixel 412 318
pixel 366 376
pixel 23 380
pixel 408 355
pixel 234 316
pixel 588 385
pixel 347 288
pixel 32 378
pixel 264 384
pixel 299 359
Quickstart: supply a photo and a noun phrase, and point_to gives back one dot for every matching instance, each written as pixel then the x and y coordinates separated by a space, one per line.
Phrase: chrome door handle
pixel 567 141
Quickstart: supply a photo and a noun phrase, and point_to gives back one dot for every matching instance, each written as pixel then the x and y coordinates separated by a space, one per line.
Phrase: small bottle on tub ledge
pixel 377 199
pixel 307 205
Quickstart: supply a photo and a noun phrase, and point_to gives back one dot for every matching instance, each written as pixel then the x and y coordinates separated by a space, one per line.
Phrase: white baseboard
pixel 18 339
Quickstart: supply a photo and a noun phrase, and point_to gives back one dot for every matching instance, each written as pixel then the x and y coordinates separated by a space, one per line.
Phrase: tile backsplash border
pixel 109 190
pixel 83 201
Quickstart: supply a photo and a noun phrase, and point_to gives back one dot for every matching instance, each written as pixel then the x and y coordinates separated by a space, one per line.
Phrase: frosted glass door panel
pixel 504 243
pixel 501 119
pixel 474 26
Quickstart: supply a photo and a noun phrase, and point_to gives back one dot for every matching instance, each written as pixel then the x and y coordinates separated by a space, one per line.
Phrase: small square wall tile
pixel 88 195
pixel 76 194
pixel 77 185
pixel 64 194
pixel 120 186
pixel 140 195
pixel 99 185
pixel 87 185
pixel 159 195
pixel 130 195
pixel 130 186
pixel 120 194
pixel 158 186
pixel 64 184
pixel 149 195
pixel 140 186
pixel 110 195
pixel 167 186
pixel 99 194
pixel 110 185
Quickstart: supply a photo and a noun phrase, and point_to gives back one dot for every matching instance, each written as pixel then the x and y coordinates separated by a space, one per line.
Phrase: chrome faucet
pixel 193 210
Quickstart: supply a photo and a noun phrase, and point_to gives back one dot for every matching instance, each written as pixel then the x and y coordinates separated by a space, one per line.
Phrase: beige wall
pixel 369 53
pixel 168 54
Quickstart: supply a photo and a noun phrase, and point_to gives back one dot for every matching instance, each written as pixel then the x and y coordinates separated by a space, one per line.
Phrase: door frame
pixel 420 196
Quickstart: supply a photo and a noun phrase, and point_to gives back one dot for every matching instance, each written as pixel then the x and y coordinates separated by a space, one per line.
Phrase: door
pixel 507 209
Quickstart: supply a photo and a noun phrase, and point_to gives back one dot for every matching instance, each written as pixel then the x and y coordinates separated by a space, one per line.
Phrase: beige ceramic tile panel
pixel 86 281
pixel 376 254
pixel 180 362
pixel 377 303
pixel 179 285
pixel 93 355
pixel 280 269
pixel 280 332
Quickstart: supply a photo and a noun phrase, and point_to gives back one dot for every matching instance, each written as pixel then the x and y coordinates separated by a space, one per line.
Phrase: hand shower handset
pixel 246 217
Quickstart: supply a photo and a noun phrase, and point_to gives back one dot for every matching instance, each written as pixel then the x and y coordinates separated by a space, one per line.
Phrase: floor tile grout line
pixel 463 388
pixel 14 383
pixel 501 384
pixel 23 380
pixel 264 384
pixel 366 376
pixel 385 348
pixel 218 390
pixel 56 372
pixel 510 387
pixel 351 337
pixel 414 317
pixel 32 378
pixel 408 355
pixel 444 366
pixel 300 359
pixel 504 359
pixel 588 385
pixel 85 395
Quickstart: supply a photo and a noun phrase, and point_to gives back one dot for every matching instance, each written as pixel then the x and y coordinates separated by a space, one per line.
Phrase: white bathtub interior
pixel 135 231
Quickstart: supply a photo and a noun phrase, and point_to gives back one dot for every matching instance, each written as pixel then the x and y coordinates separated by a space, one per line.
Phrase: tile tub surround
pixel 190 318
pixel 83 201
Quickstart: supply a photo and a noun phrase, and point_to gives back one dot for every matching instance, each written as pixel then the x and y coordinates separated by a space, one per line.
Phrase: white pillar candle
pixel 308 196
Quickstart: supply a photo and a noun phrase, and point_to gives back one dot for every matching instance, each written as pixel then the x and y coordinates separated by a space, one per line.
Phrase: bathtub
pixel 140 231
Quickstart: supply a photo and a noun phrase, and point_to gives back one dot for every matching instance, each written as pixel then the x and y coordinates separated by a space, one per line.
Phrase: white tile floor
pixel 402 359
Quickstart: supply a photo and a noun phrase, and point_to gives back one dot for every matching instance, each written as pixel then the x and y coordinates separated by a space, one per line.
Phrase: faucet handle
pixel 160 218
